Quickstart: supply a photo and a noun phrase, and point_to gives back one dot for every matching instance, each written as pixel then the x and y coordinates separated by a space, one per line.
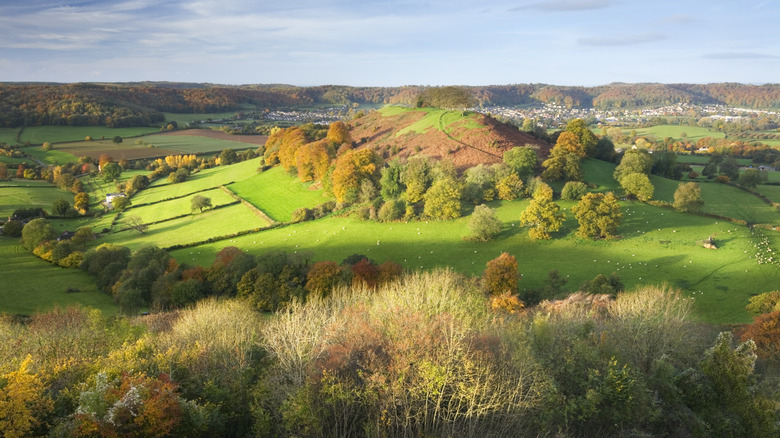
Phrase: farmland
pixel 30 284
pixel 23 194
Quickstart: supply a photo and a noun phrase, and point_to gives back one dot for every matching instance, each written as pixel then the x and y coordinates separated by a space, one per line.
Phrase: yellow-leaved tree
pixel 23 401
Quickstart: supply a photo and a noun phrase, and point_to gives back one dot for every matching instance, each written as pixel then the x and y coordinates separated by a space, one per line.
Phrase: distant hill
pixel 465 138
pixel 142 103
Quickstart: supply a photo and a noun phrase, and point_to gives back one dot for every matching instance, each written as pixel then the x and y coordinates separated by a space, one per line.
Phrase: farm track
pixel 259 213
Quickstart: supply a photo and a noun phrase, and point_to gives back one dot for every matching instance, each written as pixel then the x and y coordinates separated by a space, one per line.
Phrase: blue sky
pixel 391 42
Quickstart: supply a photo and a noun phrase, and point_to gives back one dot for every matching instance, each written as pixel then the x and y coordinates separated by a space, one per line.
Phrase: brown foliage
pixel 501 275
pixel 765 332
pixel 323 277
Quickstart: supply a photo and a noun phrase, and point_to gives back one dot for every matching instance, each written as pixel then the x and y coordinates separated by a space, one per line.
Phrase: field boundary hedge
pixel 224 237
pixel 180 216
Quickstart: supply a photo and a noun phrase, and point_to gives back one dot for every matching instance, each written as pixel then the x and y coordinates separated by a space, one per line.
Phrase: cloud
pixel 564 5
pixel 738 55
pixel 621 40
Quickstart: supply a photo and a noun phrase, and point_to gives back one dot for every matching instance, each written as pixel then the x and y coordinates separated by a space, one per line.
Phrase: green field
pixel 31 285
pixel 15 161
pixel 192 144
pixel 657 246
pixel 25 194
pixel 704 159
pixel 53 156
pixel 183 118
pixel 37 135
pixel 176 207
pixel 277 193
pixel 204 180
pixel 435 118
pixel 196 227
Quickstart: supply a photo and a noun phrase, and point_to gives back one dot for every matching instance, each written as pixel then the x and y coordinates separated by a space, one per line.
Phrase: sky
pixel 391 42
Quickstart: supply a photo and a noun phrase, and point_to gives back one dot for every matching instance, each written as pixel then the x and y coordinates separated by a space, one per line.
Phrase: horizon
pixel 390 43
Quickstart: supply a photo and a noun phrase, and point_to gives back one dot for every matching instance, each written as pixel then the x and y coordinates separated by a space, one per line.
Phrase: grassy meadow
pixel 203 180
pixel 191 144
pixel 30 284
pixel 277 193
pixel 694 133
pixel 25 193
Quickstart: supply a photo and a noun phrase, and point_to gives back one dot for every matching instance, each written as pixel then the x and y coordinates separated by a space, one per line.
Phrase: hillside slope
pixel 465 138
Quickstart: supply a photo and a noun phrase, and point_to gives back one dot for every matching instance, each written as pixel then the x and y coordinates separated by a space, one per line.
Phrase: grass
pixel 50 157
pixel 176 207
pixel 32 285
pixel 193 144
pixel 15 162
pixel 183 118
pixel 704 159
pixel 694 133
pixel 37 135
pixel 277 193
pixel 435 118
pixel 28 194
pixel 196 227
pixel 657 246
pixel 203 180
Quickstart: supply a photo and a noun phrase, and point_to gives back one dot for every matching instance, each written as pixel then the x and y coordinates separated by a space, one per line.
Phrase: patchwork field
pixel 30 284
pixel 277 193
pixel 24 194
pixel 199 141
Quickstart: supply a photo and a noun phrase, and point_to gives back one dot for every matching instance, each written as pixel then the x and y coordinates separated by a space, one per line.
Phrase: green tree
pixel 687 197
pixel 637 185
pixel 111 172
pixel 730 168
pixel 37 231
pixel 633 161
pixel 390 182
pixel 598 215
pixel 60 207
pixel 199 202
pixel 117 139
pixel 605 149
pixel 121 203
pixel 522 160
pixel 136 223
pixel 542 214
pixel 442 200
pixel 484 225
pixel 574 190
pixel 227 156
pixel 417 178
pixel 751 178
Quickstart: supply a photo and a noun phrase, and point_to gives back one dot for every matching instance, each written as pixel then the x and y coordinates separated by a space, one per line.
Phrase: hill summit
pixel 465 138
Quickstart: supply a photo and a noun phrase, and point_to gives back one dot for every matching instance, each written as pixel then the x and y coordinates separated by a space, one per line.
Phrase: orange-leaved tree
pixel 765 332
pixel 338 134
pixel 501 275
pixel 312 161
pixel 350 170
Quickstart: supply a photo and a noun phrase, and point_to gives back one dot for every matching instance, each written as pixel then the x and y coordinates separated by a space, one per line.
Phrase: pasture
pixel 161 211
pixel 199 142
pixel 206 179
pixel 277 193
pixel 25 194
pixel 183 118
pixel 29 284
pixel 58 134
pixel 657 246
pixel 433 118
pixel 694 133
pixel 192 228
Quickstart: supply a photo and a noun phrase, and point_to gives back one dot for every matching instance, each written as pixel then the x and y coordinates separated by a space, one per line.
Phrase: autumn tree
pixel 599 216
pixel 442 200
pixel 312 161
pixel 565 161
pixel 3 172
pixel 484 224
pixel 323 277
pixel 509 187
pixel 542 214
pixel 103 160
pixel 23 401
pixel 687 197
pixel 501 275
pixel 350 170
pixel 81 202
pixel 765 332
pixel 586 137
pixel 637 185
pixel 338 134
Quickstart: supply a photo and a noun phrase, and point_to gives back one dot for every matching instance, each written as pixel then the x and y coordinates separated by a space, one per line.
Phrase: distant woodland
pixel 141 104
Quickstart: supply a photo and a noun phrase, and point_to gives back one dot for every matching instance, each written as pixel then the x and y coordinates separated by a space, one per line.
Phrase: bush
pixel 484 225
pixel 764 303
pixel 301 214
pixel 574 190
pixel 391 210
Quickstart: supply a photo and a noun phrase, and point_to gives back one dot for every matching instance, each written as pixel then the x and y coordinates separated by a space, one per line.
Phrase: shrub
pixel 391 210
pixel 484 225
pixel 574 190
pixel 301 214
pixel 764 303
